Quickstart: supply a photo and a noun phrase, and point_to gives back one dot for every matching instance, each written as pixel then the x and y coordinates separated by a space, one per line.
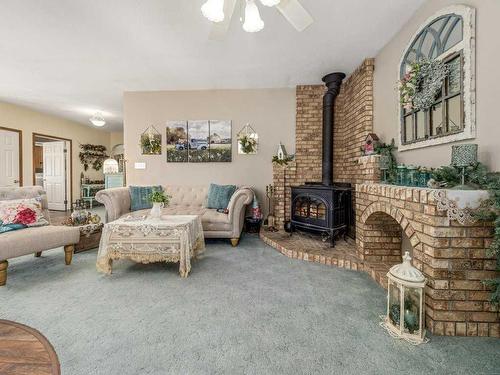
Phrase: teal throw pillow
pixel 139 196
pixel 220 195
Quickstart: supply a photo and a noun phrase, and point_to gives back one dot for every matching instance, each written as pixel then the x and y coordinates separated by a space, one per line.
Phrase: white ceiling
pixel 72 57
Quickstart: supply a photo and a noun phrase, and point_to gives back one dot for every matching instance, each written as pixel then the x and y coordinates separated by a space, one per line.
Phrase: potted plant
pixel 159 200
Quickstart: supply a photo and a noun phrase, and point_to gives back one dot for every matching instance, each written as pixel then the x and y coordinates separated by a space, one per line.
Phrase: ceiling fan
pixel 220 13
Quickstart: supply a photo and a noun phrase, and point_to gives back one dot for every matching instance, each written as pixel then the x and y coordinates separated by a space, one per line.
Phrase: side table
pixel 90 236
pixel 252 225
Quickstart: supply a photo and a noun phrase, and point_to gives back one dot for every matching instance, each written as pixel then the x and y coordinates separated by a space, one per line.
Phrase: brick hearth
pixel 312 249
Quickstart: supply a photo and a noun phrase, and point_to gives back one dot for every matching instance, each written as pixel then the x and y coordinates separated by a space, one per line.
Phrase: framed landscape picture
pixel 177 141
pixel 199 141
pixel 220 141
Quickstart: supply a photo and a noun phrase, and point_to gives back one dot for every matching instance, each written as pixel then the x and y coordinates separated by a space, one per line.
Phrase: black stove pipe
pixel 333 81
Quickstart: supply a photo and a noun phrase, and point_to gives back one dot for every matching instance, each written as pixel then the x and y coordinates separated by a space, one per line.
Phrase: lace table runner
pixel 462 205
pixel 171 238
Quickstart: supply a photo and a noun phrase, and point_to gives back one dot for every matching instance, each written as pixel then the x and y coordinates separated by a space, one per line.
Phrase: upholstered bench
pixel 33 240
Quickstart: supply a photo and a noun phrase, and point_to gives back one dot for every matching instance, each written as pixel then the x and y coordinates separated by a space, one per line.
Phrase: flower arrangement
pixel 159 197
pixel 247 143
pixel 421 84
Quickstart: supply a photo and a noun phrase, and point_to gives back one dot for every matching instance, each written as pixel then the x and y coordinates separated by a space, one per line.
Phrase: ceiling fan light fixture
pixel 270 3
pixel 213 10
pixel 97 120
pixel 253 22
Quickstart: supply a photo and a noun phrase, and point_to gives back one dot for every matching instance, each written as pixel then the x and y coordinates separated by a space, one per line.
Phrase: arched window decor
pixel 448 36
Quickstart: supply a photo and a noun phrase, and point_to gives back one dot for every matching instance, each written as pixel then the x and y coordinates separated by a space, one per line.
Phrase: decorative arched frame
pixel 448 35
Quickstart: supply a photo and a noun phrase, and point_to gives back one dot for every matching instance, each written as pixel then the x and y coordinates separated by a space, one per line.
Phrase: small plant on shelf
pixel 282 162
pixel 387 151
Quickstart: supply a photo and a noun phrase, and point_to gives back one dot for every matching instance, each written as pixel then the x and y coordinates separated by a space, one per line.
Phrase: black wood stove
pixel 324 207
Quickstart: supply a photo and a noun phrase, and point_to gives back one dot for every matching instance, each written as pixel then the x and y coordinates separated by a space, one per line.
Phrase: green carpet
pixel 245 310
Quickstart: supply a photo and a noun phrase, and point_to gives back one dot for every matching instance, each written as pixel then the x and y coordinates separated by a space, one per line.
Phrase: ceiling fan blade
pixel 219 29
pixel 295 13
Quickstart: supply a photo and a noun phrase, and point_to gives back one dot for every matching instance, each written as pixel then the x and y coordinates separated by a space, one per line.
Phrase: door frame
pixel 70 152
pixel 20 132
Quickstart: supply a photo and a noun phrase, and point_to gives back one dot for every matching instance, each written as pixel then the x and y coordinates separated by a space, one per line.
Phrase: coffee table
pixel 170 238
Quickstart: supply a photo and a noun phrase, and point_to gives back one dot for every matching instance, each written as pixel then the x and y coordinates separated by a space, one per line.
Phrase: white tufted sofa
pixel 37 239
pixel 188 200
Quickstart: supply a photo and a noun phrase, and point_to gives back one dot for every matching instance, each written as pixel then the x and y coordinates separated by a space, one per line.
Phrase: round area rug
pixel 24 350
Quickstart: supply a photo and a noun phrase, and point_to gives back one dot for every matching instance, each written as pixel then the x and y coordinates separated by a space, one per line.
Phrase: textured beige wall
pixel 386 122
pixel 115 138
pixel 30 121
pixel 271 112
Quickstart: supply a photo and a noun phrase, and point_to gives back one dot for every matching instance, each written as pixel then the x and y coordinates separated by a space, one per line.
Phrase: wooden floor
pixel 25 351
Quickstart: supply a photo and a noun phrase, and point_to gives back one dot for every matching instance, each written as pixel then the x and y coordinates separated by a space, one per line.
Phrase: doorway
pixel 52 165
pixel 11 157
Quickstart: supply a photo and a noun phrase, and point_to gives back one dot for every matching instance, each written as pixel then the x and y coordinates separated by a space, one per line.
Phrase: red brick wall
pixel 353 122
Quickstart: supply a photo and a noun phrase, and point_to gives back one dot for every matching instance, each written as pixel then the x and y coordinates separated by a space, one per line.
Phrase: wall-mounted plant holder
pixel 151 141
pixel 248 141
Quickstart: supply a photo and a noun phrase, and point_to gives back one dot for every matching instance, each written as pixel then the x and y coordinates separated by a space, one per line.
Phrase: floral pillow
pixel 26 212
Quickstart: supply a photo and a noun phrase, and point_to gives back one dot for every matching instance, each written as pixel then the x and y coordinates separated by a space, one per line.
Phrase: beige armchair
pixel 36 239
pixel 188 200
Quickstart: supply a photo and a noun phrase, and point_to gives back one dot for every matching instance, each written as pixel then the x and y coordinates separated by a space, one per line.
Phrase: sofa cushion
pixel 31 240
pixel 139 196
pixel 220 195
pixel 27 212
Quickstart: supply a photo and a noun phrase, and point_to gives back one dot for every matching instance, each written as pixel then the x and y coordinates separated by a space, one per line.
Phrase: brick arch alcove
pixel 453 257
pixel 379 235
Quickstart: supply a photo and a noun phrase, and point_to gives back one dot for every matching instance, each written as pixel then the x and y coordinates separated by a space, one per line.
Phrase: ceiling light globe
pixel 213 10
pixel 270 3
pixel 253 22
pixel 97 120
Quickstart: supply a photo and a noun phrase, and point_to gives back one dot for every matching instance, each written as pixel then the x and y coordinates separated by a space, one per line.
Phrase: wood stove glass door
pixel 311 210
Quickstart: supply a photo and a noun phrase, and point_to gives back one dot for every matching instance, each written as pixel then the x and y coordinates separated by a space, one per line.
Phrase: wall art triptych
pixel 199 141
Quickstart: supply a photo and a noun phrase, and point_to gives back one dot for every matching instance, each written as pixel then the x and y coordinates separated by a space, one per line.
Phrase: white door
pixel 54 174
pixel 9 158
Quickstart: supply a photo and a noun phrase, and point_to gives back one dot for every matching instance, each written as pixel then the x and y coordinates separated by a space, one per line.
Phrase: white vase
pixel 156 210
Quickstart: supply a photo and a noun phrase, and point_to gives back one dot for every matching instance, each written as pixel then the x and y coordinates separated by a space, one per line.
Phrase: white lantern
pixel 405 302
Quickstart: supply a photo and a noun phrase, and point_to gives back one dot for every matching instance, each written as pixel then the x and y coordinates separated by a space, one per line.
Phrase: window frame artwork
pixel 464 50
pixel 197 147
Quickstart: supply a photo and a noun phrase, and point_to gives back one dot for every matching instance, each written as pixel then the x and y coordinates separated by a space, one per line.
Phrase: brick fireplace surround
pixel 453 257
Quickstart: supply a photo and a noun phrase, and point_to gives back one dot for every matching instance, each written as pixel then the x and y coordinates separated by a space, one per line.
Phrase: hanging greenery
pixel 248 144
pixel 388 151
pixel 92 155
pixel 248 140
pixel 282 162
pixel 479 176
pixel 150 141
pixel 423 82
